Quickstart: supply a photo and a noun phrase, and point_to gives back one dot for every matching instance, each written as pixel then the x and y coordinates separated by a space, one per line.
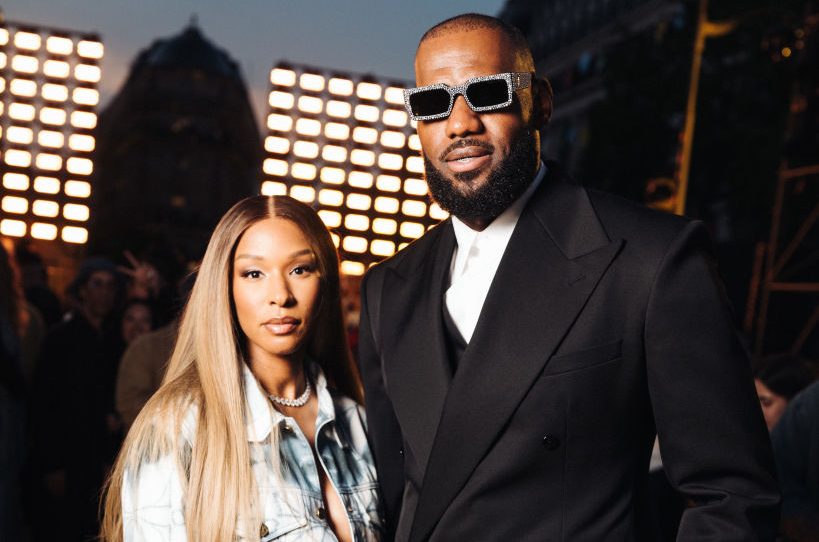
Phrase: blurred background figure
pixel 72 400
pixel 34 278
pixel 796 447
pixel 778 379
pixel 13 322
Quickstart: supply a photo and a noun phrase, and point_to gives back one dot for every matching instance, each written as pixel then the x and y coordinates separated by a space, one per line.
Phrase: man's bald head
pixel 477 21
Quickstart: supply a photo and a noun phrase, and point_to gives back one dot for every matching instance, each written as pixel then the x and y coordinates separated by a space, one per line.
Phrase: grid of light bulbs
pixel 345 145
pixel 48 99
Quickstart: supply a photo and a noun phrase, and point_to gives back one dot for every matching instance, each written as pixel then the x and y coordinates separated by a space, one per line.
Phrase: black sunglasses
pixel 485 93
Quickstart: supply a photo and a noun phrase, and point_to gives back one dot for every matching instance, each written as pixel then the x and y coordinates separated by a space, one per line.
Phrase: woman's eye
pixel 301 269
pixel 253 274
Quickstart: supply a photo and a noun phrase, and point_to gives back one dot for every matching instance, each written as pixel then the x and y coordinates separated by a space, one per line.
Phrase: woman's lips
pixel 281 326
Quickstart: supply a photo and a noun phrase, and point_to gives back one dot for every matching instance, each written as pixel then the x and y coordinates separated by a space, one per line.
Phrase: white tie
pixel 467 292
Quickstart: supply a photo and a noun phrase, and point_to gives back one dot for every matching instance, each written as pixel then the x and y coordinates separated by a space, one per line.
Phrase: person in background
pixel 71 400
pixel 35 285
pixel 778 379
pixel 796 447
pixel 257 431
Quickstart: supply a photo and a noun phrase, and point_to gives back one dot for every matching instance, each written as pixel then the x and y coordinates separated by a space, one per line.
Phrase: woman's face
pixel 137 320
pixel 773 405
pixel 276 287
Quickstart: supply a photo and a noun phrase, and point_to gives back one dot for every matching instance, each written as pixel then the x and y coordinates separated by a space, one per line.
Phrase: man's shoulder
pixel 624 218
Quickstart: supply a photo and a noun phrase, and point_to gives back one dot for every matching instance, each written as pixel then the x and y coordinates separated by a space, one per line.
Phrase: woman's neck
pixel 283 376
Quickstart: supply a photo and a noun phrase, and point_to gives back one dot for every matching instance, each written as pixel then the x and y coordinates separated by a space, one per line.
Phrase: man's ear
pixel 541 102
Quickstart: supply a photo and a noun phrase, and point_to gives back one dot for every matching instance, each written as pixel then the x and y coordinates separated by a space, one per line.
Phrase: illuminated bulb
pixel 332 153
pixel 414 208
pixel 366 113
pixel 394 140
pixel 366 135
pixel 335 130
pixel 342 87
pixel 394 117
pixel 12 228
pixel 74 234
pixel 333 198
pixel 282 100
pixel 311 81
pixel 15 205
pixel 59 46
pixel 15 181
pixel 24 64
pixel 336 240
pixel 273 188
pixel 357 222
pixel 277 145
pixel 308 127
pixel 414 142
pixel 18 134
pixel 73 211
pixel 386 205
pixel 83 119
pixel 47 138
pixel 332 175
pixel 281 123
pixel 368 91
pixel 310 104
pixel 360 179
pixel 90 49
pixel 361 157
pixel 27 40
pixel 85 96
pixel 275 167
pixel 388 183
pixel 394 95
pixel 16 157
pixel 355 269
pixel 354 244
pixel 385 226
pixel 79 166
pixel 23 87
pixel 359 202
pixel 87 73
pixel 56 68
pixel 285 78
pixel 55 93
pixel 331 219
pixel 305 149
pixel 390 161
pixel 437 213
pixel 304 194
pixel 412 230
pixel 380 247
pixel 47 185
pixel 305 172
pixel 4 36
pixel 81 142
pixel 46 208
pixel 415 187
pixel 49 162
pixel 47 232
pixel 338 109
pixel 77 189
pixel 3 60
pixel 415 164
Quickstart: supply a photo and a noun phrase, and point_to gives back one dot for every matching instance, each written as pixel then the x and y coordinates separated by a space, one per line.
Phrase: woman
pixel 137 319
pixel 244 440
pixel 778 379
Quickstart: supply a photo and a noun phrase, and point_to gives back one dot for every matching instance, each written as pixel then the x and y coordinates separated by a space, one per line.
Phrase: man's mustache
pixel 488 147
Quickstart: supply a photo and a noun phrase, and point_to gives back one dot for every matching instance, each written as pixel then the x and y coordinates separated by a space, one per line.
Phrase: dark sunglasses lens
pixel 488 93
pixel 429 102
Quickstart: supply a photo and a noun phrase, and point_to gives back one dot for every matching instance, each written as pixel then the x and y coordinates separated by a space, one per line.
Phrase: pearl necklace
pixel 299 401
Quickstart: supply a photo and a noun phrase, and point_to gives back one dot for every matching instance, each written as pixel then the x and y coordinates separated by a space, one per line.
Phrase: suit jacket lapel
pixel 416 366
pixel 555 257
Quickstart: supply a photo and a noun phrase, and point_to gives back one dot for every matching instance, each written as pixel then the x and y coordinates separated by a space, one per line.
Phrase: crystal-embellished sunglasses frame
pixel 514 81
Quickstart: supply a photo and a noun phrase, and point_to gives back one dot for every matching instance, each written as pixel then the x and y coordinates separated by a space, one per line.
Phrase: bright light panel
pixel 388 183
pixel 305 149
pixel 385 226
pixel 282 77
pixel 15 181
pixel 415 164
pixel 19 134
pixel 338 109
pixel 308 127
pixel 281 100
pixel 74 234
pixel 333 198
pixel 311 81
pixel 47 185
pixel 386 205
pixel 366 113
pixel 359 202
pixel 394 117
pixel 276 145
pixel 354 244
pixel 304 194
pixel 24 64
pixel 390 161
pixel 81 142
pixel 55 93
pixel 394 95
pixel 394 140
pixel 342 87
pixel 414 208
pixel 368 91
pixel 362 134
pixel 310 104
pixel 331 219
pixel 79 166
pixel 357 222
pixel 361 157
pixel 85 96
pixel 332 175
pixel 27 40
pixel 16 157
pixel 12 228
pixel 87 73
pixel 437 213
pixel 90 49
pixel 48 138
pixel 15 205
pixel 20 111
pixel 59 46
pixel 275 167
pixel 23 87
pixel 381 247
pixel 414 142
pixel 77 189
pixel 45 208
pixel 412 230
pixel 335 130
pixel 415 187
pixel 333 153
pixel 274 188
pixel 281 123
pixel 56 68
pixel 83 119
pixel 355 269
pixel 305 172
pixel 73 211
pixel 360 179
pixel 46 232
pixel 49 162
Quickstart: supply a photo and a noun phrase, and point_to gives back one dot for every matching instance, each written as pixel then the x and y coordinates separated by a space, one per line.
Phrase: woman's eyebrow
pixel 296 254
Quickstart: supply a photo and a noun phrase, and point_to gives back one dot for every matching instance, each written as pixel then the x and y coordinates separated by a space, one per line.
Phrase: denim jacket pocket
pixel 278 526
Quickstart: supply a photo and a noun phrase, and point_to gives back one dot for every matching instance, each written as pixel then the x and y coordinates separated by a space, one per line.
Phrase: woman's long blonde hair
pixel 205 372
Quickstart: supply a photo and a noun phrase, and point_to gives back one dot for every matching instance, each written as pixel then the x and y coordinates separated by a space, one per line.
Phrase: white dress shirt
pixel 476 259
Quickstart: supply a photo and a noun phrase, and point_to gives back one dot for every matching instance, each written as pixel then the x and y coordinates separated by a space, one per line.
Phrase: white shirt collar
pixel 499 231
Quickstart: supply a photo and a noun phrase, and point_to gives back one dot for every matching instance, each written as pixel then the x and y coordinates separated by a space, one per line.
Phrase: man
pixel 518 357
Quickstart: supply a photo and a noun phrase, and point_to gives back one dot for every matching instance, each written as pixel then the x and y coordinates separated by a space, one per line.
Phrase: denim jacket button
pixel 321 513
pixel 264 531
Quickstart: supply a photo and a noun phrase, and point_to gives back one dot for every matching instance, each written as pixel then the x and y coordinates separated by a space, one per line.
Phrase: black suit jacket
pixel 605 322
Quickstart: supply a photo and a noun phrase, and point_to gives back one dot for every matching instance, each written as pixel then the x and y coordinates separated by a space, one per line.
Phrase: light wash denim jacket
pixel 291 502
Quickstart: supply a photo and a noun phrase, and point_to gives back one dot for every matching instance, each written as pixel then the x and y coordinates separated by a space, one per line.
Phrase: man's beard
pixel 504 184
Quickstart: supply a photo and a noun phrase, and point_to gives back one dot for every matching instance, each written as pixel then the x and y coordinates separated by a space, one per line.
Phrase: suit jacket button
pixel 401 452
pixel 551 442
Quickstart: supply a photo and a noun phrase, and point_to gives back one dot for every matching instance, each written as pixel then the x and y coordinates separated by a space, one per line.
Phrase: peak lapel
pixel 547 273
pixel 416 366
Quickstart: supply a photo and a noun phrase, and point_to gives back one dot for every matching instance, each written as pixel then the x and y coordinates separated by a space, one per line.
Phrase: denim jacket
pixel 291 501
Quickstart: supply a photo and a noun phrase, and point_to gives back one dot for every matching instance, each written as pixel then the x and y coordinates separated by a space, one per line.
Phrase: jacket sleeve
pixel 152 509
pixel 385 437
pixel 713 439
